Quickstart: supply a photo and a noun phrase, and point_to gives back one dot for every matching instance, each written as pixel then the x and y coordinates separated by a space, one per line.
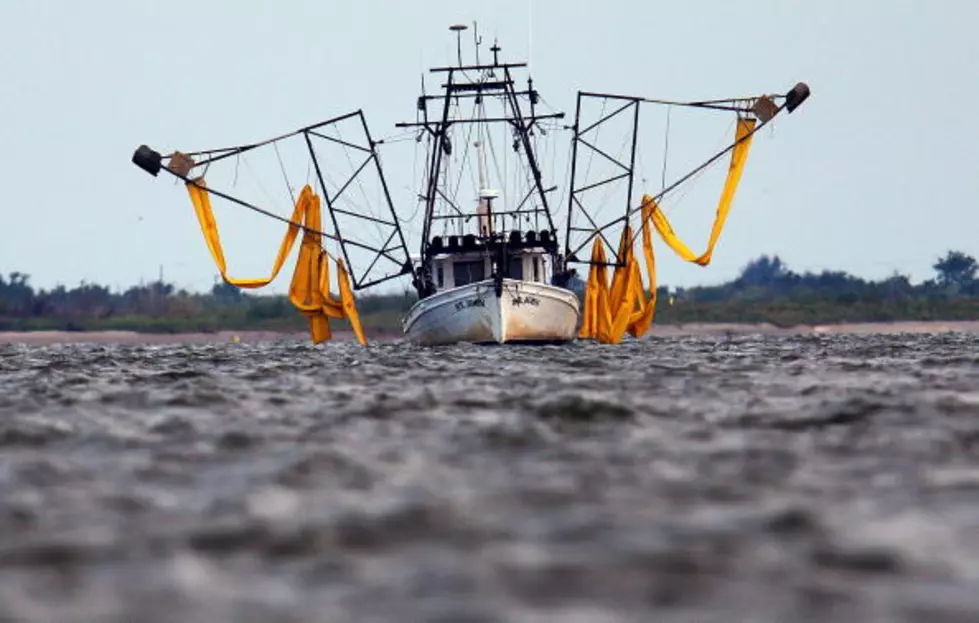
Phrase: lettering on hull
pixel 517 301
pixel 466 304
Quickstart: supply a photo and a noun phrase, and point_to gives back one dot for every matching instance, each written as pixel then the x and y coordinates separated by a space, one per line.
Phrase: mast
pixel 484 224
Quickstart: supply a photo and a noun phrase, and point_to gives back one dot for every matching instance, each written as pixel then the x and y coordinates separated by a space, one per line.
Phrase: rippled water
pixel 797 478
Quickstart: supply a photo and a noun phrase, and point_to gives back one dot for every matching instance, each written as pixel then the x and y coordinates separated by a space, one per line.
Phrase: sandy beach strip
pixel 133 337
pixel 858 328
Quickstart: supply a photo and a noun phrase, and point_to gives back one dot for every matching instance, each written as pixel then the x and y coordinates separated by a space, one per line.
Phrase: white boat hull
pixel 526 312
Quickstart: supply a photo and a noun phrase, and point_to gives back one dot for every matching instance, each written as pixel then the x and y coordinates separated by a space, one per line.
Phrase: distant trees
pixel 956 269
pixel 768 278
pixel 227 293
pixel 764 283
pixel 88 300
pixel 765 271
pixel 16 294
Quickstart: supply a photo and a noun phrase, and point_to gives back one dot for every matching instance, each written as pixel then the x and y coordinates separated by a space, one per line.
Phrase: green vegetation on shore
pixel 765 291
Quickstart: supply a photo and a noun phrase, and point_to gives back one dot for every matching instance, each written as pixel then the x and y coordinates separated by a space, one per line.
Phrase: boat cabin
pixel 461 260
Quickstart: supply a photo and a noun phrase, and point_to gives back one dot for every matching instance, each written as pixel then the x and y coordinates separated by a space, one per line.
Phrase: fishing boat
pixel 491 267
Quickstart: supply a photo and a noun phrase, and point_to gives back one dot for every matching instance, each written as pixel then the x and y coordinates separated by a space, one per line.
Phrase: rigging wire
pixel 262 211
pixel 465 161
pixel 496 161
pixel 258 181
pixel 611 187
pixel 565 186
pixel 360 186
pixel 666 146
pixel 696 172
pixel 285 177
pixel 598 130
pixel 698 175
pixel 411 192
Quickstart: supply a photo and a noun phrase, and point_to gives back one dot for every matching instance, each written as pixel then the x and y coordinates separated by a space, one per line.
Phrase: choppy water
pixel 685 479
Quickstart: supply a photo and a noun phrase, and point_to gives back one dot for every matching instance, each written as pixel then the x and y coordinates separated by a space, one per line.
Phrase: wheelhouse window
pixel 536 268
pixel 516 267
pixel 440 274
pixel 464 271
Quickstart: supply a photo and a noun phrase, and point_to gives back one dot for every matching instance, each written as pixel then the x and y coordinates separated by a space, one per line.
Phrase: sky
pixel 875 174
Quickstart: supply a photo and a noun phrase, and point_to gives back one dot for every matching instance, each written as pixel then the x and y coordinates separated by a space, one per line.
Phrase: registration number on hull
pixel 466 304
pixel 517 301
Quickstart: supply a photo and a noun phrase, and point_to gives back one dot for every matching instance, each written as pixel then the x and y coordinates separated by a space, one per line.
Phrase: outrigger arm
pixel 310 288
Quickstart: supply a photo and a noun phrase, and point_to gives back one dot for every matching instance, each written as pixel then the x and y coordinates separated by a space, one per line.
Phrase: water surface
pixel 750 478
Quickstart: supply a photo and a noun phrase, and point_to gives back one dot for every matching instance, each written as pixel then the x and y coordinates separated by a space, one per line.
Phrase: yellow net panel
pixel 610 312
pixel 309 290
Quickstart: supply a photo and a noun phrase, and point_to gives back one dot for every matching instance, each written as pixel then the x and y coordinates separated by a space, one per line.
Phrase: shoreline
pixel 855 328
pixel 137 338
pixel 664 330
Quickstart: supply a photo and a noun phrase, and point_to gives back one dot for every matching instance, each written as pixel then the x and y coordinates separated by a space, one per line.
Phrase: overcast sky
pixel 875 174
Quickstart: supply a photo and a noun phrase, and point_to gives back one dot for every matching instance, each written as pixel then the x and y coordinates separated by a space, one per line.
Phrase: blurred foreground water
pixel 765 478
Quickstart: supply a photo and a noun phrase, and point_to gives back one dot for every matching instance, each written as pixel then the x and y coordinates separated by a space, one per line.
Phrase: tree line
pixel 766 290
pixel 769 277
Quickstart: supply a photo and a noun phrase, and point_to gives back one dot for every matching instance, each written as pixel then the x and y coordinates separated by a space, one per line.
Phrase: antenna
pixel 458 28
pixel 477 40
pixel 530 32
